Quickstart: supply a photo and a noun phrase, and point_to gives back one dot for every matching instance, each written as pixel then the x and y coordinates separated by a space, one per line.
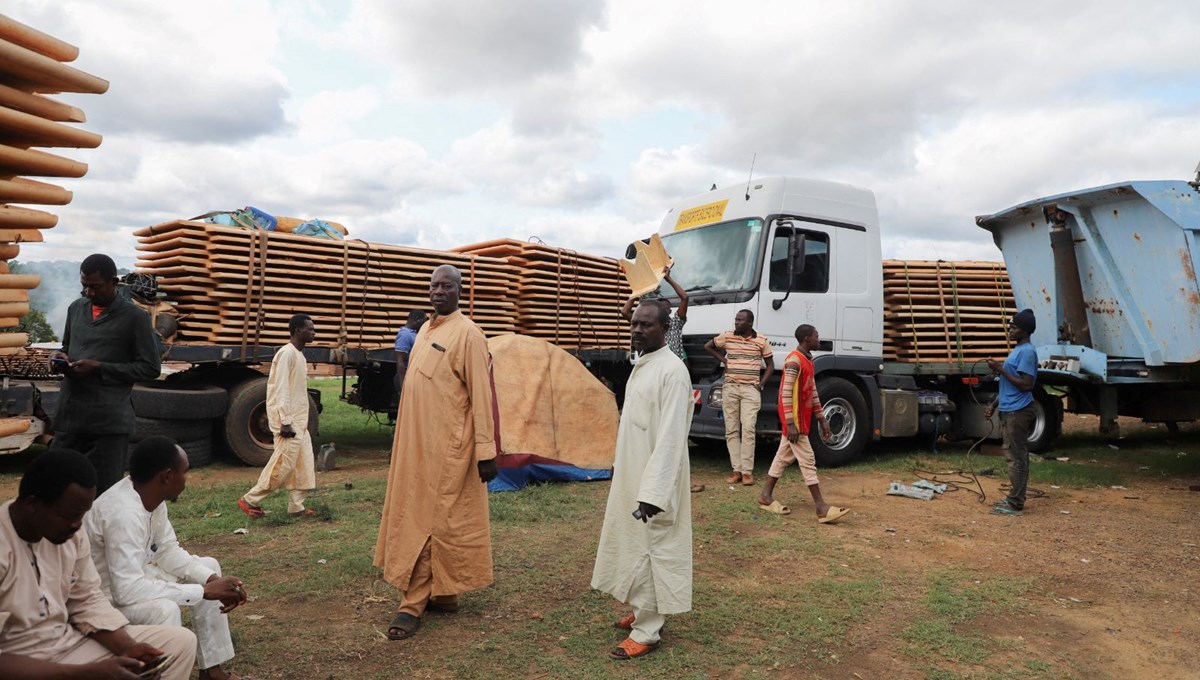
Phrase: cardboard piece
pixel 645 273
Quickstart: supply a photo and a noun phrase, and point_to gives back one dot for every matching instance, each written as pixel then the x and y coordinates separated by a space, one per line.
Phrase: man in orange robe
pixel 435 537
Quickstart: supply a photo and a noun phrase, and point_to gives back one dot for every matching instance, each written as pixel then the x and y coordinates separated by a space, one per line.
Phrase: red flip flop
pixel 250 510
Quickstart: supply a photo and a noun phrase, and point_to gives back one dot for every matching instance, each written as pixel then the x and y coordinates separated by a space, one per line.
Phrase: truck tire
pixel 245 429
pixel 178 401
pixel 1048 425
pixel 846 410
pixel 179 430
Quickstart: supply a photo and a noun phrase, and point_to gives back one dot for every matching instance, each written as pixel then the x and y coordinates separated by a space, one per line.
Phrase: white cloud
pixel 443 123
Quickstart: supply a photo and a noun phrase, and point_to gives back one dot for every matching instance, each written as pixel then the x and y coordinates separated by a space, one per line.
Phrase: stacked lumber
pixel 938 312
pixel 568 298
pixel 32 66
pixel 235 286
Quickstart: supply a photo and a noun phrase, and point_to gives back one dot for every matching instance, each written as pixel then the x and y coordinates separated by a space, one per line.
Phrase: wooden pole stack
pixel 32 66
pixel 938 312
pixel 565 297
pixel 239 286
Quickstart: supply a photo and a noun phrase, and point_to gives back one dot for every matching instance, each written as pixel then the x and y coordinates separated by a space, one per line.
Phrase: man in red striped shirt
pixel 798 403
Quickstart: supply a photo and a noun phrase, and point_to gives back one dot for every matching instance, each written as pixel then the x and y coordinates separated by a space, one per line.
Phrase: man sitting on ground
pixel 54 620
pixel 143 569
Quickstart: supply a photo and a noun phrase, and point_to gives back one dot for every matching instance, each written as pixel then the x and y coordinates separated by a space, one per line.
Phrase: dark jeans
pixel 1016 427
pixel 109 454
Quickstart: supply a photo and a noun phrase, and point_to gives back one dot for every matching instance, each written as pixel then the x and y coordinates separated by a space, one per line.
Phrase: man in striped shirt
pixel 741 396
pixel 798 403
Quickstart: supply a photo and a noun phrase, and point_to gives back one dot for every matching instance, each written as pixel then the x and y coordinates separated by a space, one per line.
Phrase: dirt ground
pixel 1114 571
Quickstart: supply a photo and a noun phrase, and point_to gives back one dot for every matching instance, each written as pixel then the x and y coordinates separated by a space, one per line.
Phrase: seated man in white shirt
pixel 143 569
pixel 54 621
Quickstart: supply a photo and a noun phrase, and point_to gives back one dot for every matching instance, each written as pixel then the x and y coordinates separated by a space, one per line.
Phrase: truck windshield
pixel 715 259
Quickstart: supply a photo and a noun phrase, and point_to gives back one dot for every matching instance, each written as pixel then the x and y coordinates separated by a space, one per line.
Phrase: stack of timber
pixel 938 312
pixel 568 298
pixel 235 286
pixel 32 67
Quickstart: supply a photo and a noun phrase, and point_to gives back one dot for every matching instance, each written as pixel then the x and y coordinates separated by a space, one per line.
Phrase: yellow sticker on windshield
pixel 700 215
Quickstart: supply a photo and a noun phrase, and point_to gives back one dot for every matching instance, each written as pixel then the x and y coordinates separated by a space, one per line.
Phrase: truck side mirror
pixel 795 261
pixel 797 248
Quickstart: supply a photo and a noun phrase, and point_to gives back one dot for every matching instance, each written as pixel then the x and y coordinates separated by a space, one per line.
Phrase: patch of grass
pixel 936 636
pixel 952 636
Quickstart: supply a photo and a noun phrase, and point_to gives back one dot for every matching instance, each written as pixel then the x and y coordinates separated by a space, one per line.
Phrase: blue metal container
pixel 1135 244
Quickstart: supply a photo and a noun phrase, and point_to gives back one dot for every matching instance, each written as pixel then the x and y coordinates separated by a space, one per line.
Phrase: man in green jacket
pixel 108 345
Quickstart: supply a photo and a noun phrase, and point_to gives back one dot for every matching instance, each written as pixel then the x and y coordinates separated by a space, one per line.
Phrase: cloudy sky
pixel 442 122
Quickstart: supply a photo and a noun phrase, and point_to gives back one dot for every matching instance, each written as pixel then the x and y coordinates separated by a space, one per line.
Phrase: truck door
pixel 811 298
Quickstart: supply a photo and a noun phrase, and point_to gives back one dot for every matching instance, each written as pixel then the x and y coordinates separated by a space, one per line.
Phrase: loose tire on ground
pixel 178 401
pixel 179 430
pixel 246 431
pixel 1048 425
pixel 199 451
pixel 846 410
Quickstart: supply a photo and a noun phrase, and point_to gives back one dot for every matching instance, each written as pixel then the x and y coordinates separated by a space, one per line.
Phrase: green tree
pixel 34 323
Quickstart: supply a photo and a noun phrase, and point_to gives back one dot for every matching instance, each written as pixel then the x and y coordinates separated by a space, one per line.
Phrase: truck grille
pixel 701 366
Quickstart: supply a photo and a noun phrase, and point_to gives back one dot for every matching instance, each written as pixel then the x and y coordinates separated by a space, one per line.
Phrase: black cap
pixel 1025 320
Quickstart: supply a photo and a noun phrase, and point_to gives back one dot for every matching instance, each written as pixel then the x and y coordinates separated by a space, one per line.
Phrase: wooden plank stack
pixel 938 312
pixel 234 286
pixel 32 67
pixel 565 297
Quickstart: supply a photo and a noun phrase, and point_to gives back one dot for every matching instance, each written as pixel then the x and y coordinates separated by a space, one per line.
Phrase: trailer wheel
pixel 178 400
pixel 1048 424
pixel 846 411
pixel 246 430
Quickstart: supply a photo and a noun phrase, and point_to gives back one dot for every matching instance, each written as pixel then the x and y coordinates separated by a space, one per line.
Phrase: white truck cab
pixel 793 251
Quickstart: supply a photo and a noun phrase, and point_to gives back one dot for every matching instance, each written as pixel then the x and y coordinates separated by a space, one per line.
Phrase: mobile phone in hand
pixel 157 666
pixel 60 362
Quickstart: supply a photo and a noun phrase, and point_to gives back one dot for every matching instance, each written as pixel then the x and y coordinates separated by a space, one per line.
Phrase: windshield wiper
pixel 706 289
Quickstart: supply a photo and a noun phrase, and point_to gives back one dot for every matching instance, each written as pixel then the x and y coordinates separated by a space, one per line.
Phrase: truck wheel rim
pixel 840 417
pixel 259 428
pixel 1039 422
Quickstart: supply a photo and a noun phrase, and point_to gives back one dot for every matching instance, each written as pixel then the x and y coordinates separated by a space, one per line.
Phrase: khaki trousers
pixel 171 639
pixel 800 452
pixel 420 587
pixel 740 403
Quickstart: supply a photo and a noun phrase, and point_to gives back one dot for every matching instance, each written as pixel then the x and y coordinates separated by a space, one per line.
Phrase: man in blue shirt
pixel 404 343
pixel 1018 374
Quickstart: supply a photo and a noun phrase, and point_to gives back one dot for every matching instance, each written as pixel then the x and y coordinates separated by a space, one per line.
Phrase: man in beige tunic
pixel 55 622
pixel 435 538
pixel 645 553
pixel 291 464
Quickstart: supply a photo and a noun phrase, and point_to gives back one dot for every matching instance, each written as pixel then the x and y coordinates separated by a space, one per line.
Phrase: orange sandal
pixel 624 623
pixel 631 649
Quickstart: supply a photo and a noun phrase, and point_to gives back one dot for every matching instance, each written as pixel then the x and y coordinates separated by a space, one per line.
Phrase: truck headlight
pixel 714 398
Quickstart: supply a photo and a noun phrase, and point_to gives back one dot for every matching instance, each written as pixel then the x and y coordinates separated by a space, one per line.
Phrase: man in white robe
pixel 291 464
pixel 645 553
pixel 144 571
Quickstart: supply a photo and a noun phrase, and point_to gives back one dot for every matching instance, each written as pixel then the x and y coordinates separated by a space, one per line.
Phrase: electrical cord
pixel 962 479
